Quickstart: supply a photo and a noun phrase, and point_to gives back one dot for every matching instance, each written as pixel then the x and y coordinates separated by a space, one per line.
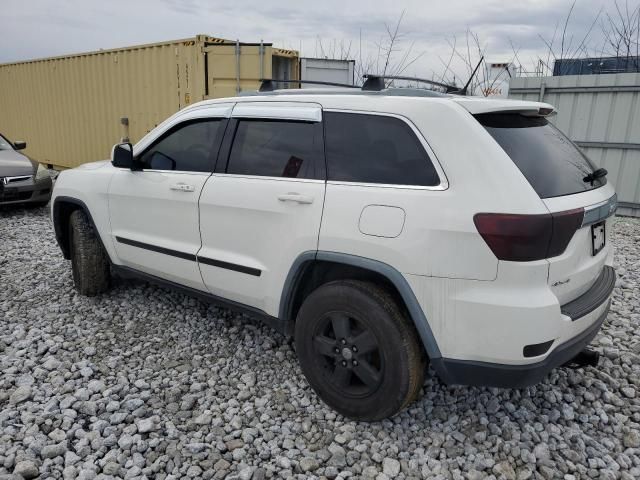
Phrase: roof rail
pixel 376 83
pixel 267 84
pixel 396 92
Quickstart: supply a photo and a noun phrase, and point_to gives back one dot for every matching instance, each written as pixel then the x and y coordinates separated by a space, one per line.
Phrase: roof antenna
pixel 475 70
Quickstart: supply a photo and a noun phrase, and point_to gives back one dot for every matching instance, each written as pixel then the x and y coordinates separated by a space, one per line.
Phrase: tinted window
pixel 552 164
pixel 277 149
pixel 375 149
pixel 187 147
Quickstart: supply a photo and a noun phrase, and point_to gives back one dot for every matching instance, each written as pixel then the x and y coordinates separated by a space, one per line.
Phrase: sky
pixel 41 28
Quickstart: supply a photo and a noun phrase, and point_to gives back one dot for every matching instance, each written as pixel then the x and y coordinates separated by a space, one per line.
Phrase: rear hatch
pixel 570 186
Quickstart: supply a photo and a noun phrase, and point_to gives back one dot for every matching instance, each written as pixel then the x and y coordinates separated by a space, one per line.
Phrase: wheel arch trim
pixel 306 259
pixel 57 222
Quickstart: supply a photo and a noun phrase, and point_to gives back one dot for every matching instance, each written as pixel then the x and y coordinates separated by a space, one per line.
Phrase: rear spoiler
pixel 475 106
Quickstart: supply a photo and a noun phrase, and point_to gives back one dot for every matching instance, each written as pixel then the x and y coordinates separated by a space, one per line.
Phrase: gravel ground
pixel 146 383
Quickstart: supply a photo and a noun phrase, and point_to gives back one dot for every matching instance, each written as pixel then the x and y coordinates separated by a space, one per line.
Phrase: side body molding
pixel 394 276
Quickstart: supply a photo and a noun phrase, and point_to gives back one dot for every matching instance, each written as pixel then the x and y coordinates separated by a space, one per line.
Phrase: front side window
pixel 375 149
pixel 276 148
pixel 187 147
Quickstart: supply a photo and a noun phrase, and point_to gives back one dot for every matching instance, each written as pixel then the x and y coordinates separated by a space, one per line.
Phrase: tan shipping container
pixel 68 109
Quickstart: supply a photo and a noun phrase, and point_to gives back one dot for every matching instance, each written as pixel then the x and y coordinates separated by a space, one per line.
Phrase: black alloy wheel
pixel 349 353
pixel 358 350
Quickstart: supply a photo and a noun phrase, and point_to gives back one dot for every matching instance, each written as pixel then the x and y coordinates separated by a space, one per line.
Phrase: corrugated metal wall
pixel 235 68
pixel 68 109
pixel 601 113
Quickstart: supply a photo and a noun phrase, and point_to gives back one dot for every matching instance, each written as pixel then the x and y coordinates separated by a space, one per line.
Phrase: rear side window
pixel 552 164
pixel 275 148
pixel 186 147
pixel 375 149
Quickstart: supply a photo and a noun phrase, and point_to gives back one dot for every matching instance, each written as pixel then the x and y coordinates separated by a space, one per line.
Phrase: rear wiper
pixel 596 174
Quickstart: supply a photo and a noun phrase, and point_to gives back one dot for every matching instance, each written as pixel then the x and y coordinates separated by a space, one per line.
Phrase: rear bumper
pixel 27 191
pixel 599 292
pixel 474 373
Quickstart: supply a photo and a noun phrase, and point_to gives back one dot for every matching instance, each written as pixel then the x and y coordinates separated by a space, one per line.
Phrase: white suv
pixel 382 230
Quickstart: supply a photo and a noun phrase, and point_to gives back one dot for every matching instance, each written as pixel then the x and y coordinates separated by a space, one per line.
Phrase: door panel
pixel 156 210
pixel 245 225
pixel 264 207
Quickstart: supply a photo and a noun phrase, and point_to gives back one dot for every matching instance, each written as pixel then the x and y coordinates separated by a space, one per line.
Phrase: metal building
pixel 498 75
pixel 68 108
pixel 601 113
pixel 327 70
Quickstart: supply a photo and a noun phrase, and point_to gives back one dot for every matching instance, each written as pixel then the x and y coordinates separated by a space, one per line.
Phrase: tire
pixel 358 351
pixel 89 261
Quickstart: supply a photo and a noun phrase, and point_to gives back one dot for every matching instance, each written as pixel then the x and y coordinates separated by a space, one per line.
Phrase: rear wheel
pixel 358 351
pixel 89 261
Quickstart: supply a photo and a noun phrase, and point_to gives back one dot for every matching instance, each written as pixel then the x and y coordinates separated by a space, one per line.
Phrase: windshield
pixel 553 164
pixel 4 144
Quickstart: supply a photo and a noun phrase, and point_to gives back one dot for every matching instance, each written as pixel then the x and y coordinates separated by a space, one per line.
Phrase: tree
pixel 392 56
pixel 621 31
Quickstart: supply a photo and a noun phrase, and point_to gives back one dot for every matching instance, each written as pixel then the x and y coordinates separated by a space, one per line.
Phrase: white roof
pixel 384 100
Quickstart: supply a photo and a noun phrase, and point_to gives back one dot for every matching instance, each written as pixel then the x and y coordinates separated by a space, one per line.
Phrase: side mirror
pixel 122 155
pixel 20 145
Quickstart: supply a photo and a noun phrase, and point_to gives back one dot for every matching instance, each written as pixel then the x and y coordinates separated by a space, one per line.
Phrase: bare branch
pixel 564 30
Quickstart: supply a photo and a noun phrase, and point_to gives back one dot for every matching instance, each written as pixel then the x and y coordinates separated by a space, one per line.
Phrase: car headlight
pixel 41 173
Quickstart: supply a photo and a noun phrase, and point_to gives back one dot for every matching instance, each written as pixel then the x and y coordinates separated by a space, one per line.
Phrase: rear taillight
pixel 524 238
pixel 565 225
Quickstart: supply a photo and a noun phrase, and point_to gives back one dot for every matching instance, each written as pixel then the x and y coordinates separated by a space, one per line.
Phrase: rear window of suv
pixel 553 165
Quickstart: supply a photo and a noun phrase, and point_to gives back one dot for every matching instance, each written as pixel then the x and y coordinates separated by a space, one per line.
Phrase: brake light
pixel 524 238
pixel 565 225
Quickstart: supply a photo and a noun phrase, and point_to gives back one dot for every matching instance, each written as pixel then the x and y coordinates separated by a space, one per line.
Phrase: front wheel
pixel 89 261
pixel 358 351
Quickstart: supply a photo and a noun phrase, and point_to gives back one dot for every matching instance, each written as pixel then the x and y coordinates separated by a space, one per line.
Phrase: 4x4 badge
pixel 561 282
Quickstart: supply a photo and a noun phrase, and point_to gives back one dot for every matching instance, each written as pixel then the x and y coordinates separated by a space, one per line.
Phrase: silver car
pixel 22 180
